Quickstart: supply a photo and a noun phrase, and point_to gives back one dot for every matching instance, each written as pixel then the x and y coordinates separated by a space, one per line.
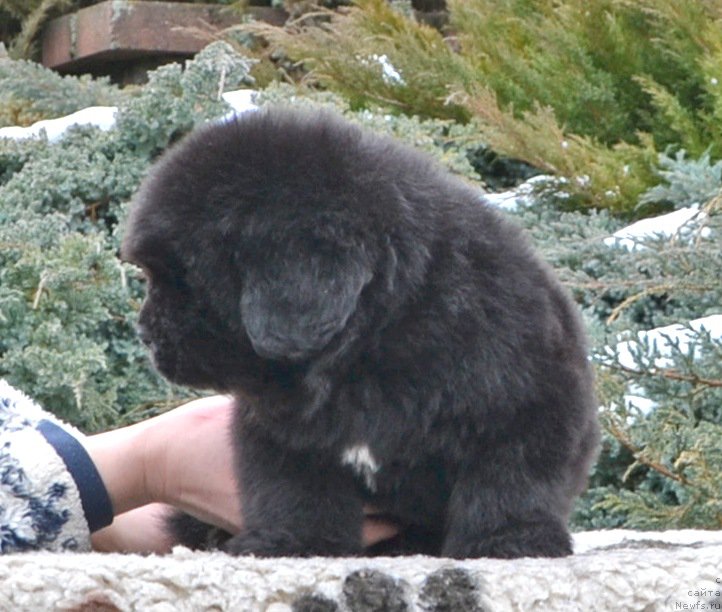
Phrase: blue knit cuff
pixel 94 497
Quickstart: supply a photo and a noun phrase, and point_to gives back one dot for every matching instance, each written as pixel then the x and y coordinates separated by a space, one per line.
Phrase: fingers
pixel 377 529
pixel 137 531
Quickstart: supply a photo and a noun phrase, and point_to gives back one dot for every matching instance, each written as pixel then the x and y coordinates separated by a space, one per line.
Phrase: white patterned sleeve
pixel 51 495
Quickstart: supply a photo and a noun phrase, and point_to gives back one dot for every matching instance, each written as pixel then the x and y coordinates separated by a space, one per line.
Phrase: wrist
pixel 119 457
pixel 153 450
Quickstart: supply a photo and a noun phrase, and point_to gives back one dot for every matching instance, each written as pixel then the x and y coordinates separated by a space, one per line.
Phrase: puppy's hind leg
pixel 505 515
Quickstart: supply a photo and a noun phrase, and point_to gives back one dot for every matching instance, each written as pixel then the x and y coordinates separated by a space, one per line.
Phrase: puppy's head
pixel 261 240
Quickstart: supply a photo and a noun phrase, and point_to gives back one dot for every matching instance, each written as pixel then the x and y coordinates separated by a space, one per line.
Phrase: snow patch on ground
pixel 684 224
pixel 522 196
pixel 102 117
pixel 595 540
pixel 663 340
pixel 657 346
pixel 241 100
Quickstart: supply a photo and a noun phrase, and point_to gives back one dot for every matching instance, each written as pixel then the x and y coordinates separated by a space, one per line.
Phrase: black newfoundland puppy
pixel 390 339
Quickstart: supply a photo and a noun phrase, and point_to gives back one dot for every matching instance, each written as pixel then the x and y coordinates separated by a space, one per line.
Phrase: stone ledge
pixel 625 571
pixel 121 30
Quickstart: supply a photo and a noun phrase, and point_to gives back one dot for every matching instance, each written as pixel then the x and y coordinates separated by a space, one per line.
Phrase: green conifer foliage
pixel 590 90
pixel 67 305
pixel 371 33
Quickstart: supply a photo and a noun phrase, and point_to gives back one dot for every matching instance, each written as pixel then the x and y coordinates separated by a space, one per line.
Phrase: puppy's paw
pixel 188 531
pixel 261 544
pixel 537 539
pixel 276 543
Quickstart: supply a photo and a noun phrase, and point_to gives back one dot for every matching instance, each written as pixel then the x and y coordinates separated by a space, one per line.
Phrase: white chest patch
pixel 361 461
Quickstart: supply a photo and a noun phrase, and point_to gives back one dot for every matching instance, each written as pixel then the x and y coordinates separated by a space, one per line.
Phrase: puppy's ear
pixel 294 307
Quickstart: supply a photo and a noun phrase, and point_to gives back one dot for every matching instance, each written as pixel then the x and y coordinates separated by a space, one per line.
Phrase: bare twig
pixel 669 373
pixel 642 459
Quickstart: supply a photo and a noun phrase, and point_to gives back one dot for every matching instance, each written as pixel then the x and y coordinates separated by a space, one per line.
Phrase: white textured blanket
pixel 610 571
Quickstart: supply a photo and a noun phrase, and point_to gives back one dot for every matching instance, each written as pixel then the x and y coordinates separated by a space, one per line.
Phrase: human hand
pixel 189 461
pixel 183 458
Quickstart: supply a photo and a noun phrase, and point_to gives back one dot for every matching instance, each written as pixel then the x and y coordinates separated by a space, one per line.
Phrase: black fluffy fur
pixel 389 337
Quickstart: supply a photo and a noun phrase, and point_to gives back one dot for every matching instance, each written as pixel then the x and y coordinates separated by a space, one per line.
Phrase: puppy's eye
pixel 143 275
